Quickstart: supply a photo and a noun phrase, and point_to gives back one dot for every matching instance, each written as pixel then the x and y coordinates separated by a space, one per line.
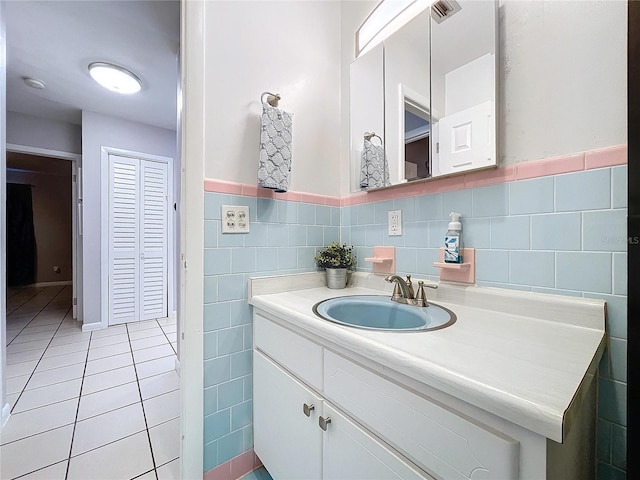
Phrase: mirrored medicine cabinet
pixel 423 101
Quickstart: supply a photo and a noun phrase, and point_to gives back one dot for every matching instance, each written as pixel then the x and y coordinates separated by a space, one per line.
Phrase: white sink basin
pixel 379 312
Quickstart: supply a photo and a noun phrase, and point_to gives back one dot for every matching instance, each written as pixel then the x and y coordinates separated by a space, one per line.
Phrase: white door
pixel 465 140
pixel 153 243
pixel 138 237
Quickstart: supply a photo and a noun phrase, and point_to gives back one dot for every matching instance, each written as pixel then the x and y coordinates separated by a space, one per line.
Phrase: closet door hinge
pixel 75 301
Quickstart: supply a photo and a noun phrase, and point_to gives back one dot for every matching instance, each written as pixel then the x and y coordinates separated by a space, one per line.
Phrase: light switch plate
pixel 395 222
pixel 235 219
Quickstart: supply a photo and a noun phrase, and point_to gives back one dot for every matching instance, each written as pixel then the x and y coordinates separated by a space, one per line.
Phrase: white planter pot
pixel 336 277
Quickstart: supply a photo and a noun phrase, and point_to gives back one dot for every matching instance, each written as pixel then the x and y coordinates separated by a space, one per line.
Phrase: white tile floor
pixel 95 405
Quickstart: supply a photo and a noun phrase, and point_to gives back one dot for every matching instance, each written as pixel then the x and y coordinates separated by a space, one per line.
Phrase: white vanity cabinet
pixel 507 392
pixel 300 435
pixel 319 415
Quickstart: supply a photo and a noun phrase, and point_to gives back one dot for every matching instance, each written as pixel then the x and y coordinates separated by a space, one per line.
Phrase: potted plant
pixel 336 259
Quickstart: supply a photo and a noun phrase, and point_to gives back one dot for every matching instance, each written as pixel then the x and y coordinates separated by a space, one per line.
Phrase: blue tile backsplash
pixel 563 234
pixel 283 238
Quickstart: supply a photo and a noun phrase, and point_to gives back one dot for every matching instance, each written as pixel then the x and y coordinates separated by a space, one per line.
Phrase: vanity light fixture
pixel 115 78
pixel 390 15
pixel 386 18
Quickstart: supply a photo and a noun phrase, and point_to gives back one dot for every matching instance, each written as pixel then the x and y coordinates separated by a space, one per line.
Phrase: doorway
pixel 50 178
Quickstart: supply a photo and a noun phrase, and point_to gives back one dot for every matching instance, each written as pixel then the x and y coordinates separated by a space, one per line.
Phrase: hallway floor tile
pixel 87 405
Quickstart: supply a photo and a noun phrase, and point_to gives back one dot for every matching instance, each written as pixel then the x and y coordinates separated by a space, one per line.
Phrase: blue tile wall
pixel 563 234
pixel 283 238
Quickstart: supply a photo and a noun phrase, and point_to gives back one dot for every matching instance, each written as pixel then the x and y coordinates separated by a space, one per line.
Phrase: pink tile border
pixel 575 162
pixel 490 177
pixel 234 468
pixel 220 186
pixel 550 166
pixel 606 157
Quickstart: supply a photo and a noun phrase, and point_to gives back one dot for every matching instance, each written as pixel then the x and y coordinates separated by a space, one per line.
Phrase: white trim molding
pixel 43 152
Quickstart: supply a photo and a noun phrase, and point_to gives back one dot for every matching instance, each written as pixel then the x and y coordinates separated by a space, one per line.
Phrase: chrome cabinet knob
pixel 307 409
pixel 323 422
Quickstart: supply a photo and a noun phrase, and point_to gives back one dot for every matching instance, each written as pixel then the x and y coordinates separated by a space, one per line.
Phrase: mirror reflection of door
pixel 406 81
pixel 416 142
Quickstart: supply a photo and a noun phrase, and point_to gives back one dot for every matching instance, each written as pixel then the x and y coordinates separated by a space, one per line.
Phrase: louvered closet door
pixel 154 240
pixel 124 233
pixel 138 237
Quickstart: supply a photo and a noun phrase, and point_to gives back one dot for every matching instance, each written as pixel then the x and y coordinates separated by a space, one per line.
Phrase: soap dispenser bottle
pixel 453 240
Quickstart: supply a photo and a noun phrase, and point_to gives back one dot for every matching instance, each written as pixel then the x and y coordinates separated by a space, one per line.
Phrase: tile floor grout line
pixel 144 413
pixel 34 296
pixel 36 434
pixel 36 470
pixel 75 422
pixel 167 337
pixel 37 363
pixel 40 290
pixel 46 404
pixel 58 326
pixel 36 315
pixel 13 291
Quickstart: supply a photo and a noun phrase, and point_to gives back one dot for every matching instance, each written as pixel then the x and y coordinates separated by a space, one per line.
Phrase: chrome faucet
pixel 403 291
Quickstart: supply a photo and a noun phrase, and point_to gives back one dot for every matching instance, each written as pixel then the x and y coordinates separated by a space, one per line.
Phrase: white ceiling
pixel 54 41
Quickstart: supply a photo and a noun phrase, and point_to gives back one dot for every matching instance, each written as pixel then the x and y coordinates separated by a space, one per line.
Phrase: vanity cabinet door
pixel 288 442
pixel 351 453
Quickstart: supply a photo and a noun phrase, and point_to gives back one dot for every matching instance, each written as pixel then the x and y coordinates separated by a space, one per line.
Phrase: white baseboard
pixel 6 413
pixel 90 327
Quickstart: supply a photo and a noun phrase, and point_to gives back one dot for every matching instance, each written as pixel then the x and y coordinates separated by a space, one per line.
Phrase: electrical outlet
pixel 235 219
pixel 395 222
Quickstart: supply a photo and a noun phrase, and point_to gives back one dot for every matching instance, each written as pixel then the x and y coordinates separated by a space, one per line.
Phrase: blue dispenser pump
pixel 453 240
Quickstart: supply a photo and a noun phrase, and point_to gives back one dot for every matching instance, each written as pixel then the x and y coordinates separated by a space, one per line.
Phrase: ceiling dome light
pixel 34 83
pixel 115 78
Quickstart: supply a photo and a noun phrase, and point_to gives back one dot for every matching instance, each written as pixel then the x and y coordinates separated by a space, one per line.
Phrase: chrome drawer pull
pixel 323 422
pixel 306 408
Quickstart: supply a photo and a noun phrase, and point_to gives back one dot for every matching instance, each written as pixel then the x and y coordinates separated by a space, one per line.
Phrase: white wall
pixel 102 131
pixel 43 133
pixel 562 77
pixel 288 47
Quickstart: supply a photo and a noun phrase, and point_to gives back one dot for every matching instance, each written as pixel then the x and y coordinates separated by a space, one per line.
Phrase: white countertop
pixel 524 369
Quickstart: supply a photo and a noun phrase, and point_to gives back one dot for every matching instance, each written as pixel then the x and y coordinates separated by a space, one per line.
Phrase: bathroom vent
pixel 443 9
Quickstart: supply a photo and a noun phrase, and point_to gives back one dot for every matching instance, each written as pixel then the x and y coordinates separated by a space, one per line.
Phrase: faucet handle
pixel 421 297
pixel 410 287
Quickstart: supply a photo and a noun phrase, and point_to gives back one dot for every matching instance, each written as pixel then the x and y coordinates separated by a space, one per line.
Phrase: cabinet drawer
pixel 300 356
pixel 437 439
